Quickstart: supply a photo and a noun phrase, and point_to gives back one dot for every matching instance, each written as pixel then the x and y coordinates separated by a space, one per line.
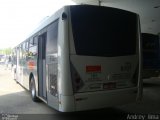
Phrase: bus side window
pixel 35 44
pixel 26 49
pixel 52 34
pixel 23 50
pixel 33 47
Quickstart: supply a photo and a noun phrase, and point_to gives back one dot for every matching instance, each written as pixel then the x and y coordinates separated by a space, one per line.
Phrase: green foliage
pixel 6 51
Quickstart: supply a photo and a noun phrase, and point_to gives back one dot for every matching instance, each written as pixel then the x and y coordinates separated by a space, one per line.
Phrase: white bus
pixel 83 57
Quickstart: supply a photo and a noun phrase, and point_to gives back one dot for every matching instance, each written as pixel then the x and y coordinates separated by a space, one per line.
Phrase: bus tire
pixel 33 90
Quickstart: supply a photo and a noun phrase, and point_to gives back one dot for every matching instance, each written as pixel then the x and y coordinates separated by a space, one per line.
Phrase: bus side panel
pixel 52 101
pixel 63 99
pixel 65 89
pixel 67 103
pixel 64 77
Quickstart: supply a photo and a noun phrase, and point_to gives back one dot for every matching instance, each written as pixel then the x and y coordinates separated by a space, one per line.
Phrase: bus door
pixel 41 65
pixel 52 65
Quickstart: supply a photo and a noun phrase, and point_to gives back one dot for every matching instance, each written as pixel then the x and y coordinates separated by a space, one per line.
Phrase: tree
pixel 6 51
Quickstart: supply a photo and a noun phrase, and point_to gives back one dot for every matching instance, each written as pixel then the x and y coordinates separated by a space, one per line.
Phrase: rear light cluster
pixel 76 79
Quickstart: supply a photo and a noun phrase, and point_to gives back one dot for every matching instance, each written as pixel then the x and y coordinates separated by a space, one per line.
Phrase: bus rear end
pixel 104 56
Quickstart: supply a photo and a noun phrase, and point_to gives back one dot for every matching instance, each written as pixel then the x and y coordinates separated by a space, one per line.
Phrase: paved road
pixel 16 100
pixel 151 99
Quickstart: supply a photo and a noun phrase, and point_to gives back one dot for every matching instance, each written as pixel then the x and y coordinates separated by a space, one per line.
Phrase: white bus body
pixel 83 57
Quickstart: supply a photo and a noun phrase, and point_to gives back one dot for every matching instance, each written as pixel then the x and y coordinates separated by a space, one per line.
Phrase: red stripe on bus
pixel 31 64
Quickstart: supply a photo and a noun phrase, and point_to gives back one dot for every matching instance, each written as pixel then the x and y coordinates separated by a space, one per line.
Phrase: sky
pixel 18 18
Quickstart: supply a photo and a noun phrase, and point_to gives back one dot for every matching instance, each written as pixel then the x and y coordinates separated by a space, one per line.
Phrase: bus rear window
pixel 103 31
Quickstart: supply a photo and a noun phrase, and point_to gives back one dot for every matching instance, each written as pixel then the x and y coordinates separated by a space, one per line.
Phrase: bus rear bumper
pixel 92 100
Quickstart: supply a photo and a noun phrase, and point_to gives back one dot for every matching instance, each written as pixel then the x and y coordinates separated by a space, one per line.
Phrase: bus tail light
pixel 76 79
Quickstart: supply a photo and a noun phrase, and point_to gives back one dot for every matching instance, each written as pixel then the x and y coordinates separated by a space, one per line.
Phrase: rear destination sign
pixel 96 68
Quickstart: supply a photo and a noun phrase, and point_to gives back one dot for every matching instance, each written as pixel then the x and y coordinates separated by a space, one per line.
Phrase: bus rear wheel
pixel 33 90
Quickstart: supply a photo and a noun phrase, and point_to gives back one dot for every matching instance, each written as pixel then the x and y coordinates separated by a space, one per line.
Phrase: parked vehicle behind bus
pixel 151 55
pixel 83 57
